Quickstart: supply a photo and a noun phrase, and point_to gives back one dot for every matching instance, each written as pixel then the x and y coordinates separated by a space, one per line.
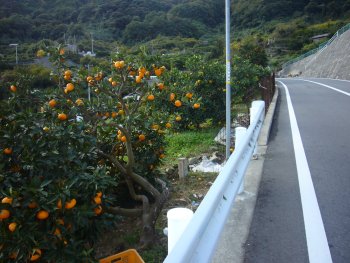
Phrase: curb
pixel 230 247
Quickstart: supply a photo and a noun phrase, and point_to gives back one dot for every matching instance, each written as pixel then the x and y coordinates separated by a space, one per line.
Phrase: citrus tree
pixel 196 91
pixel 245 78
pixel 65 159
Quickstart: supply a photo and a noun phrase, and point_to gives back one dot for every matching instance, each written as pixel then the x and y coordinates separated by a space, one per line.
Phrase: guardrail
pixel 199 239
pixel 320 47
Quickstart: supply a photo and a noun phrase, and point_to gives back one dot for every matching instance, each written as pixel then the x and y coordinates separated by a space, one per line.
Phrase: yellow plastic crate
pixel 127 256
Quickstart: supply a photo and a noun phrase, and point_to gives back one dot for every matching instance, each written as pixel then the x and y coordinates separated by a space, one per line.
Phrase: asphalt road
pixel 297 219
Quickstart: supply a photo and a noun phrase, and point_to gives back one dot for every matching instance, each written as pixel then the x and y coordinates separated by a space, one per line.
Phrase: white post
pixel 239 135
pixel 178 219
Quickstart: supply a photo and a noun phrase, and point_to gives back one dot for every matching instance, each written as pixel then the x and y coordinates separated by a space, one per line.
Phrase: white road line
pixel 344 80
pixel 330 87
pixel 316 238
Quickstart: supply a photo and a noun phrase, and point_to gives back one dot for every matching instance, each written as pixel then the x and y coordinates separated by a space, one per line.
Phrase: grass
pixel 189 143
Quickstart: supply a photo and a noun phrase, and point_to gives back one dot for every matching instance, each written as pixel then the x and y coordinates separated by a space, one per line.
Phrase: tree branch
pixel 145 184
pixel 114 161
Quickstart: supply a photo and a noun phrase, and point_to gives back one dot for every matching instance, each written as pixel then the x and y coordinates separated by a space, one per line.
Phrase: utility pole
pixel 15 45
pixel 228 79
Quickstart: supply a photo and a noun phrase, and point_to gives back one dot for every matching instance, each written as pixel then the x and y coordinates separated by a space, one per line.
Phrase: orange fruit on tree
pixel 114 115
pixel 70 204
pixel 52 103
pixel 150 97
pixel 138 79
pixel 8 151
pixel 13 88
pixel 196 105
pixel 172 96
pixel 89 78
pixel 123 138
pixel 68 73
pixel 7 200
pixel 158 72
pixel 46 129
pixel 178 103
pixel 162 156
pixel 168 125
pixel 121 112
pixel 142 70
pixel 178 118
pixel 13 255
pixel 114 83
pixel 36 254
pixel 67 77
pixel 32 205
pixel 12 226
pixel 99 194
pixel 57 232
pixel 79 102
pixel 189 95
pixel 142 137
pixel 155 127
pixel 59 204
pixel 119 64
pixel 70 87
pixel 62 116
pixel 42 215
pixel 62 51
pixel 97 200
pixel 160 86
pixel 98 210
pixel 60 221
pixel 141 74
pixel 4 213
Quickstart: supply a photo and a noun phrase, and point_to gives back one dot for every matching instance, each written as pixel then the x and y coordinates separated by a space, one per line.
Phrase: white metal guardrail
pixel 199 239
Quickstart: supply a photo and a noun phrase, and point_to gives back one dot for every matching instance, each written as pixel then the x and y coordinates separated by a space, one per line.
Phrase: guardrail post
pixel 178 219
pixel 240 132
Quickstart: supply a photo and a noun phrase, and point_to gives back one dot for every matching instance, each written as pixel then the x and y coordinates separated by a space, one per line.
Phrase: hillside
pixel 283 27
pixel 330 61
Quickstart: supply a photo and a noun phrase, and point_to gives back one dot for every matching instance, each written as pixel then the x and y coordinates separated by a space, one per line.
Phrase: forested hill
pixel 132 21
pixel 283 26
pixel 126 20
pixel 253 13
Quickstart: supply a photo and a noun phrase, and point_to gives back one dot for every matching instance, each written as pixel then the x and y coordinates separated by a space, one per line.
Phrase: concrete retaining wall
pixel 330 62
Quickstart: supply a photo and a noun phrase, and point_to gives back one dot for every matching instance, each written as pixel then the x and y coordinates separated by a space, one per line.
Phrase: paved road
pixel 302 212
